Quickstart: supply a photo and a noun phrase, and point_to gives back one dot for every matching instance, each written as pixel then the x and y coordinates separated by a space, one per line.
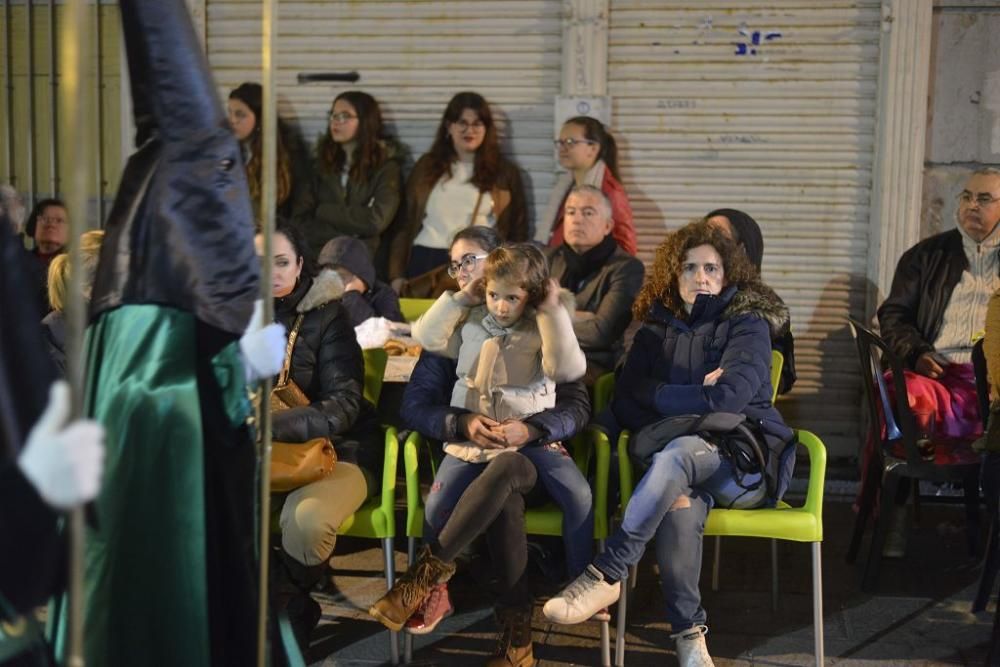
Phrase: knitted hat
pixel 746 232
pixel 349 253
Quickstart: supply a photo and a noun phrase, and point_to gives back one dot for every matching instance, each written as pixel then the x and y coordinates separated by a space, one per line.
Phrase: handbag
pixel 295 464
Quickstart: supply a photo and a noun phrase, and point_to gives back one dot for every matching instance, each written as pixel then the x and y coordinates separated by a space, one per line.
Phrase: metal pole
pixel 267 204
pixel 53 105
pixel 8 71
pixel 99 76
pixel 72 67
pixel 29 20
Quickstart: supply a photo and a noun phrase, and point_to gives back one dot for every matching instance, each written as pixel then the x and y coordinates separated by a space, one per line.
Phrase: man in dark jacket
pixel 604 278
pixel 915 320
pixel 365 296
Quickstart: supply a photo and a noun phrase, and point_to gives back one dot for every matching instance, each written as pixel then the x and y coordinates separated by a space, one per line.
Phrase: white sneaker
pixel 586 596
pixel 691 649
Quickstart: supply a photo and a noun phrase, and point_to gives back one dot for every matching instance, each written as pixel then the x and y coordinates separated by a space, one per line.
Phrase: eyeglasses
pixel 467 264
pixel 52 220
pixel 569 143
pixel 982 199
pixel 465 126
pixel 341 117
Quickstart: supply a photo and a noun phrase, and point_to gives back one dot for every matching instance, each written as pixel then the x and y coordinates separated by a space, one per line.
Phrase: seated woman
pixel 590 155
pixel 745 232
pixel 328 367
pixel 355 187
pixel 540 465
pixel 705 347
pixel 463 180
pixel 245 108
pixel 54 324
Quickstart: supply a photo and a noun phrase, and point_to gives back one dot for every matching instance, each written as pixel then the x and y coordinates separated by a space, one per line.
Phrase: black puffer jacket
pixel 910 318
pixel 328 366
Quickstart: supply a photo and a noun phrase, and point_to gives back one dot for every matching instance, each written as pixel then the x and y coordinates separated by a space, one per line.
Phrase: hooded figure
pixel 170 563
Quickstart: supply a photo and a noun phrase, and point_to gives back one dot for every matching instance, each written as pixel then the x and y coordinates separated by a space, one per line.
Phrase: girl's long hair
pixel 442 152
pixel 251 94
pixel 661 281
pixel 369 153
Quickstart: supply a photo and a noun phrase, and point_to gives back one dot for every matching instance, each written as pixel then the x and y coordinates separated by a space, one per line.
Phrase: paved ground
pixel 919 616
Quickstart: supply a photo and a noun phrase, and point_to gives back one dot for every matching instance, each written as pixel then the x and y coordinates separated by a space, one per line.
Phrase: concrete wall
pixel 963 125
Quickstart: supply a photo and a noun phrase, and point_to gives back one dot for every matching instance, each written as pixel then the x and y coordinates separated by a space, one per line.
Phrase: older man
pixel 604 278
pixel 935 312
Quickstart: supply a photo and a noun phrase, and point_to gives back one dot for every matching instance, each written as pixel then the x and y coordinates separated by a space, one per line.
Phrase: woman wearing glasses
pixel 589 154
pixel 356 180
pixel 462 181
pixel 427 409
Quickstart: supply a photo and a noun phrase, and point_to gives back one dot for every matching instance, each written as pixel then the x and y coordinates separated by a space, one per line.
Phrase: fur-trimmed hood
pixel 763 302
pixel 732 302
pixel 326 287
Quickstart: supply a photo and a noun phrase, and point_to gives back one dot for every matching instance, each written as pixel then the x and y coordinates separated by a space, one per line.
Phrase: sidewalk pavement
pixel 919 615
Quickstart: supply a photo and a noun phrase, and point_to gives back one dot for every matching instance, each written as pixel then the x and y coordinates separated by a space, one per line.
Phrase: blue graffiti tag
pixel 750 49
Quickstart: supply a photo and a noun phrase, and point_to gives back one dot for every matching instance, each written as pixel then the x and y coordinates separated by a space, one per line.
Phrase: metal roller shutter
pixel 412 57
pixel 772 111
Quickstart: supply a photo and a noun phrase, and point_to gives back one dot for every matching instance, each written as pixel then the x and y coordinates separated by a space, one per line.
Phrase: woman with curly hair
pixel 354 189
pixel 704 347
pixel 463 180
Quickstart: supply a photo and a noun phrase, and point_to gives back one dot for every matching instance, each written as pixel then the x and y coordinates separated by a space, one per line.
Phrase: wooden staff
pixel 268 156
pixel 74 103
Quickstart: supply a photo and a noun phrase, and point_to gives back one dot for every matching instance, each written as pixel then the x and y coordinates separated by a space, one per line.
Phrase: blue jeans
pixel 559 476
pixel 693 468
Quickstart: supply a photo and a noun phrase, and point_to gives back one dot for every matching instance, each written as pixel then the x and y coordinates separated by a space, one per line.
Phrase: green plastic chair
pixel 797 524
pixel 777 362
pixel 376 518
pixel 412 309
pixel 590 445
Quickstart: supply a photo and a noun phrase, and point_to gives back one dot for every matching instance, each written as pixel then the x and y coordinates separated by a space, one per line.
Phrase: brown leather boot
pixel 395 607
pixel 514 640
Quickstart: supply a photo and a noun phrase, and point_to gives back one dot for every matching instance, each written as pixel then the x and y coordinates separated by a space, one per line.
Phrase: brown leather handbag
pixel 295 464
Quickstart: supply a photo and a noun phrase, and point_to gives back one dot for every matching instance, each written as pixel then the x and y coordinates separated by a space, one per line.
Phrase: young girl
pixel 511 350
pixel 510 353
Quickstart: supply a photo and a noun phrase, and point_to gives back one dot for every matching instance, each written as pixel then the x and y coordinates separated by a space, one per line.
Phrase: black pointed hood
pixel 180 232
pixel 172 87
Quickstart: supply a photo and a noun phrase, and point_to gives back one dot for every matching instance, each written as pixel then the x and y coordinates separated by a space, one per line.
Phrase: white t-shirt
pixel 449 208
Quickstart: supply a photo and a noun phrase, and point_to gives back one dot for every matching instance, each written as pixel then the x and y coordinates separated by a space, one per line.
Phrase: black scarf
pixel 580 267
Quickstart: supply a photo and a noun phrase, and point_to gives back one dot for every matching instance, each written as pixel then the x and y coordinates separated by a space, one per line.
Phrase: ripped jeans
pixel 687 468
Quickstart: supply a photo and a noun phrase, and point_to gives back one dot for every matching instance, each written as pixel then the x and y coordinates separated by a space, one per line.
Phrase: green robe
pixel 149 558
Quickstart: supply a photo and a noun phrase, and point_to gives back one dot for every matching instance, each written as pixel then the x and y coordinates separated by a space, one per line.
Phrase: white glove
pixel 63 464
pixel 263 347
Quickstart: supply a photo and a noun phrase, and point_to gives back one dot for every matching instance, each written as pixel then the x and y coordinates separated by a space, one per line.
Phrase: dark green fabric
pixel 147 594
